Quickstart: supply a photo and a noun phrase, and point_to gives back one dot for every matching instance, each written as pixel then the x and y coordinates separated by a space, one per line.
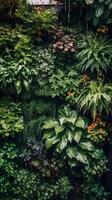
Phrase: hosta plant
pixel 95 54
pixel 96 98
pixel 67 135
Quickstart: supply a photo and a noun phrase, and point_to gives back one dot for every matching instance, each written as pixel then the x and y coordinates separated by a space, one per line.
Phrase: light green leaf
pixel 58 129
pixel 18 87
pixel 71 119
pixel 47 135
pixel 82 158
pixel 87 146
pixel 26 84
pixel 51 141
pixel 80 123
pixel 69 134
pixel 61 120
pixel 77 135
pixel 71 152
pixel 50 124
pixel 63 143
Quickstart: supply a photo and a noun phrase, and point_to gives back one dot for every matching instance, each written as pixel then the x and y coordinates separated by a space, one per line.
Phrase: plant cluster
pixel 11 120
pixel 35 157
pixel 55 115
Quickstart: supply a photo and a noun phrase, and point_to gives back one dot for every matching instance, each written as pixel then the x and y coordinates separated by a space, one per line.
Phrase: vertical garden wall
pixel 56 100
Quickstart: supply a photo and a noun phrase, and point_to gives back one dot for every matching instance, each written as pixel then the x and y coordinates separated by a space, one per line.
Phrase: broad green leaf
pixel 69 135
pixel 99 11
pixel 58 129
pixel 71 119
pixel 61 120
pixel 47 135
pixel 80 123
pixel 26 84
pixel 50 124
pixel 77 135
pixel 63 142
pixel 82 158
pixel 71 152
pixel 51 141
pixel 87 146
pixel 18 87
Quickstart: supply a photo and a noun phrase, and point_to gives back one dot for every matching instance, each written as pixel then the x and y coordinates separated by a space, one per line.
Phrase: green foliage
pixel 22 63
pixel 25 184
pixel 29 185
pixel 8 154
pixel 65 84
pixel 72 148
pixel 94 191
pixel 36 157
pixel 95 54
pixel 33 17
pixel 60 189
pixel 11 120
pixel 100 12
pixel 97 131
pixel 45 65
pixel 96 98
pixel 68 136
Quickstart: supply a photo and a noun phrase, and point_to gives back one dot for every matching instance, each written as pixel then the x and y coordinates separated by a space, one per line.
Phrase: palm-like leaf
pixel 96 98
pixel 95 54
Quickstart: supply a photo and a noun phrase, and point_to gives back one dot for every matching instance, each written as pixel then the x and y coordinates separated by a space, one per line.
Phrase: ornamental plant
pixel 95 98
pixel 97 131
pixel 95 54
pixel 11 120
pixel 36 158
pixel 68 136
pixel 99 12
pixel 64 43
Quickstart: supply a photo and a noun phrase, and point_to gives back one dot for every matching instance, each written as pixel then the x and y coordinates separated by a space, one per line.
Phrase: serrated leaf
pixel 77 135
